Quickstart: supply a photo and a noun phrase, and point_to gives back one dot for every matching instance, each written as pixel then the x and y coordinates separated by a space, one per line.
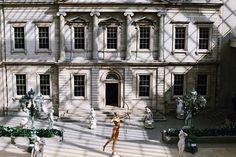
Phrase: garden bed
pixel 226 134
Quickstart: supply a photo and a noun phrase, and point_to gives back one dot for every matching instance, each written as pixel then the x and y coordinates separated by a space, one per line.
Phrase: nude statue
pixel 115 132
pixel 181 143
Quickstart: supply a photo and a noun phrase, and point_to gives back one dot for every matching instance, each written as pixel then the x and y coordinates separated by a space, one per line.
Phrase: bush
pixel 227 130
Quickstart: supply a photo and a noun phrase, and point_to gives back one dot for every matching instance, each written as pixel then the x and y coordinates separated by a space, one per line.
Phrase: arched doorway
pixel 112 91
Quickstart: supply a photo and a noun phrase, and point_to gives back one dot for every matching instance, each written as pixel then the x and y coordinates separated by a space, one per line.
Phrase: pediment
pixel 110 21
pixel 77 20
pixel 144 21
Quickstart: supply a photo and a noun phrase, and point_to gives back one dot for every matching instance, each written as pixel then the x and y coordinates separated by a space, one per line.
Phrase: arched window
pixel 112 76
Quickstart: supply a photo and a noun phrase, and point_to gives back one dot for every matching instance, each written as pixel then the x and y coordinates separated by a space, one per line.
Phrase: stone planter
pixel 202 139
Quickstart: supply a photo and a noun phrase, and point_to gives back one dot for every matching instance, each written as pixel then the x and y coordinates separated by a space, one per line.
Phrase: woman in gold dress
pixel 115 131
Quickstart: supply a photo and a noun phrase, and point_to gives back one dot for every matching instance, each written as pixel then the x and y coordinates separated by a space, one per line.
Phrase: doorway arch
pixel 112 84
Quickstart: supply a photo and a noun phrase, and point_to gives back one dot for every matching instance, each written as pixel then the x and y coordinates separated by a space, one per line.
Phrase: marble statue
pixel 188 119
pixel 38 147
pixel 148 119
pixel 50 112
pixel 92 119
pixel 181 142
pixel 180 108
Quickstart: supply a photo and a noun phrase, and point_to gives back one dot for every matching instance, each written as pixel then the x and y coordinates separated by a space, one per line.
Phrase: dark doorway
pixel 112 94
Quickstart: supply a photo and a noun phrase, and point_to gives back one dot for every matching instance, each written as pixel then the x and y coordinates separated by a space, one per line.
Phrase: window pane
pixel 204 34
pixel 202 84
pixel 180 37
pixel 178 84
pixel 144 42
pixel 43 37
pixel 112 37
pixel 20 84
pixel 19 37
pixel 45 84
pixel 144 85
pixel 79 85
pixel 79 37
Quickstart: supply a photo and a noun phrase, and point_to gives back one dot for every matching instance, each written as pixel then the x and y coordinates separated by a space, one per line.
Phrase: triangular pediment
pixel 110 21
pixel 144 21
pixel 77 20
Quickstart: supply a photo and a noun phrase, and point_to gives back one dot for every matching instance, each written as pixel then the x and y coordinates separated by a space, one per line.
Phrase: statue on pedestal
pixel 38 147
pixel 193 103
pixel 92 119
pixel 148 119
pixel 50 118
pixel 180 108
pixel 115 132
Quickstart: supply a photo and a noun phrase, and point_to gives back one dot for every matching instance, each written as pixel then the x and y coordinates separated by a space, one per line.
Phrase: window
pixel 79 40
pixel 43 37
pixel 204 36
pixel 111 37
pixel 20 84
pixel 144 85
pixel 45 84
pixel 178 84
pixel 180 37
pixel 144 39
pixel 19 38
pixel 202 84
pixel 79 85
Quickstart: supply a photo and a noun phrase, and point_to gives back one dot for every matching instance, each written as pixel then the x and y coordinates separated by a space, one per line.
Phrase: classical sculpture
pixel 180 108
pixel 148 119
pixel 181 143
pixel 115 133
pixel 50 118
pixel 92 119
pixel 193 103
pixel 38 147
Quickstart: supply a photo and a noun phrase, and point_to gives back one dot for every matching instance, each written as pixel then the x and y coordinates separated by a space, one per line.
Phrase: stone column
pixel 62 37
pixel 95 34
pixel 128 34
pixel 161 35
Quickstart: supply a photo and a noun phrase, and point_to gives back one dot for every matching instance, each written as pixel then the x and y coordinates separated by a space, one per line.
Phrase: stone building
pixel 83 53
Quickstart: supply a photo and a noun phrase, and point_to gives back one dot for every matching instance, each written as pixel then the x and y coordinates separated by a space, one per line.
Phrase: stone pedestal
pixel 115 155
pixel 93 124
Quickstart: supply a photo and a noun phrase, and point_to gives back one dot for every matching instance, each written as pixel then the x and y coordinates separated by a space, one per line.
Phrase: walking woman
pixel 115 131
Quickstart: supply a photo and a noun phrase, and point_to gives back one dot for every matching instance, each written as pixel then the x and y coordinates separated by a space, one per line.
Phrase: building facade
pixel 134 53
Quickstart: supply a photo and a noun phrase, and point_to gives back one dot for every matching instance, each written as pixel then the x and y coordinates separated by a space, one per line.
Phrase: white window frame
pixel 173 81
pixel 118 37
pixel 210 38
pixel 85 86
pixel 150 85
pixel 73 37
pixel 14 84
pixel 208 82
pixel 150 40
pixel 181 25
pixel 13 49
pixel 42 50
pixel 50 81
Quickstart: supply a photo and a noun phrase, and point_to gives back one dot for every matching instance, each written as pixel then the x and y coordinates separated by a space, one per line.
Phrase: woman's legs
pixel 112 138
pixel 107 143
pixel 114 142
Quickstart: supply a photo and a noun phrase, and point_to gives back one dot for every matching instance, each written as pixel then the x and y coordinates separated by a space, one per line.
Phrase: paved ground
pixel 134 140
